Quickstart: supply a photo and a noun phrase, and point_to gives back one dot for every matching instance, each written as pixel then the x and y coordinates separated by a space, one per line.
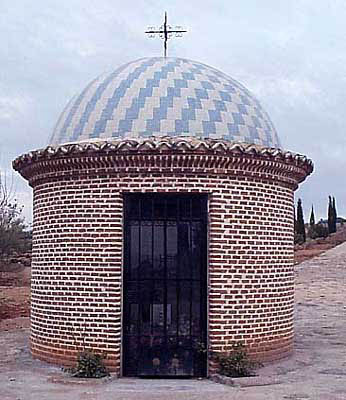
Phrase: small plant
pixel 89 365
pixel 236 363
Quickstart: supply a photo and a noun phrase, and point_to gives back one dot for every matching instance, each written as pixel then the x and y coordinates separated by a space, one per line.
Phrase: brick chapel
pixel 163 223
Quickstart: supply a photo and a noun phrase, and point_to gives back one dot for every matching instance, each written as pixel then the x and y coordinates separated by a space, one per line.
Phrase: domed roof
pixel 165 97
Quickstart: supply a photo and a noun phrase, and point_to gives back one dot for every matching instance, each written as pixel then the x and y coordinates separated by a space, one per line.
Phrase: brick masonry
pixel 77 245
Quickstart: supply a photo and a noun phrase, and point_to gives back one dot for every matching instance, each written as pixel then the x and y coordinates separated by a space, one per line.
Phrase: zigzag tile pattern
pixel 165 97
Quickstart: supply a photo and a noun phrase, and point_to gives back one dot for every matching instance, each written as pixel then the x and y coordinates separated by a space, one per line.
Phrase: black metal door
pixel 165 285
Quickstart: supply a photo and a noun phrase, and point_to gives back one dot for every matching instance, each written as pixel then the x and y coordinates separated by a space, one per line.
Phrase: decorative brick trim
pixel 197 156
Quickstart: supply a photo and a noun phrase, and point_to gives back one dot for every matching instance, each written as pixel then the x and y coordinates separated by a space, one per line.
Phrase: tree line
pixel 313 230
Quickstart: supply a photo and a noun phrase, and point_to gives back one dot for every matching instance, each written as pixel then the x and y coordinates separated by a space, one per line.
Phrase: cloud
pixel 24 198
pixel 290 91
pixel 12 107
pixel 290 54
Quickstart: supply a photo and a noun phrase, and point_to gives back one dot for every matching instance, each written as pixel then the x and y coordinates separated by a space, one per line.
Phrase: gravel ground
pixel 316 371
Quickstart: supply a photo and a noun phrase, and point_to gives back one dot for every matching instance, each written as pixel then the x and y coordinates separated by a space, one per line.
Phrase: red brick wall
pixel 77 260
pixel 77 239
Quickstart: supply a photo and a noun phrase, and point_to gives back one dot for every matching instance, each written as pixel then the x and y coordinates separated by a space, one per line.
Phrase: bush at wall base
pixel 236 363
pixel 89 365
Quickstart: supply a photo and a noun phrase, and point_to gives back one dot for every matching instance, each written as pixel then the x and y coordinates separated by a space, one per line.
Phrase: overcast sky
pixel 290 54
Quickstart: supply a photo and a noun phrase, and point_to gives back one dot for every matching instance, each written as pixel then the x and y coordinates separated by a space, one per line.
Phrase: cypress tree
pixel 300 221
pixel 312 216
pixel 334 214
pixel 330 216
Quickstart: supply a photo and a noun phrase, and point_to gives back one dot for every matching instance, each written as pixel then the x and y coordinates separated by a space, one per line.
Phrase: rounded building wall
pixel 77 263
pixel 78 246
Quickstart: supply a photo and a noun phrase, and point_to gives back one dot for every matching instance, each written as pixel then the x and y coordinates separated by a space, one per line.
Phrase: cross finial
pixel 165 32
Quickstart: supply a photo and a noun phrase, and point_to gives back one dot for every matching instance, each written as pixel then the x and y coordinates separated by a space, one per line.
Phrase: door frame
pixel 204 197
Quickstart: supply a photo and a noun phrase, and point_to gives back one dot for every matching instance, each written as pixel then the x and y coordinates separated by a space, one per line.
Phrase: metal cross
pixel 165 32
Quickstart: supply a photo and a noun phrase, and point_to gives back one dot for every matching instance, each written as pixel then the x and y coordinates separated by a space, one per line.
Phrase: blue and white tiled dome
pixel 165 97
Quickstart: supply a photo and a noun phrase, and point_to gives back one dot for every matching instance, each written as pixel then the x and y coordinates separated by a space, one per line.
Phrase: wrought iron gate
pixel 165 285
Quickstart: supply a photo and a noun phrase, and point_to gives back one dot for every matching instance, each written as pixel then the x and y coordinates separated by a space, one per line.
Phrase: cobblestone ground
pixel 317 370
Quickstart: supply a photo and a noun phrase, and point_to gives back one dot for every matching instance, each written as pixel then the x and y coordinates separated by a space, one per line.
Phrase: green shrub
pixel 298 238
pixel 89 365
pixel 318 231
pixel 236 363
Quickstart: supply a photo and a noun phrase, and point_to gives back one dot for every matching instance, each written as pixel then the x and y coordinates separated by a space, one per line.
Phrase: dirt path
pixel 14 296
pixel 313 248
pixel 317 370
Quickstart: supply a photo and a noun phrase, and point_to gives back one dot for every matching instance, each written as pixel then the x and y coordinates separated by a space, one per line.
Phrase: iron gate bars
pixel 165 284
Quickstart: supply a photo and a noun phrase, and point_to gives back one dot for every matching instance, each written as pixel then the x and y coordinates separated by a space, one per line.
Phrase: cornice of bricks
pixel 164 155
